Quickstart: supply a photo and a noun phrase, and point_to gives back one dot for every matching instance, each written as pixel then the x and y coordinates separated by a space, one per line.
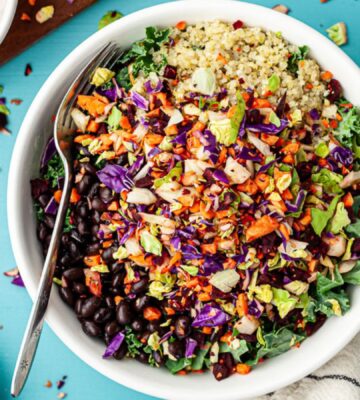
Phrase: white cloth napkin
pixel 339 379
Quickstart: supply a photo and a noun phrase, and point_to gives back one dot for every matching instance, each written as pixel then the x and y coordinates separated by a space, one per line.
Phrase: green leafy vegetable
pixel 293 61
pixel 68 226
pixel 236 119
pixel 274 83
pixel 340 219
pixel 320 218
pixel 101 76
pixel 133 343
pixel 283 301
pixel 141 52
pixel 237 348
pixel 123 78
pixel 114 118
pixel 190 269
pixel 337 33
pixel 54 170
pixel 173 173
pixel 204 81
pixel 322 150
pixel 348 130
pixel 108 18
pixel 353 276
pixel 150 243
pixel 4 109
pixel 198 361
pixel 276 343
pixel 274 119
pixel 329 180
pixel 39 212
pixel 176 366
pixel 353 230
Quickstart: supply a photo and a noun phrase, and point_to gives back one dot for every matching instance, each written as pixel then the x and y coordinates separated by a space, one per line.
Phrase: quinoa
pixel 252 56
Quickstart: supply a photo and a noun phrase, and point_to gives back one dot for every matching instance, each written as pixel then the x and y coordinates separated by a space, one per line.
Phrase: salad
pixel 214 219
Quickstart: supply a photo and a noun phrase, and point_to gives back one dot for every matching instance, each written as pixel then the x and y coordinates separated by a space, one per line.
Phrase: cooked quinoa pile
pixel 240 59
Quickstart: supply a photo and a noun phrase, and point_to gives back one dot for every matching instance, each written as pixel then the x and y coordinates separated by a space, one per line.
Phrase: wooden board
pixel 23 34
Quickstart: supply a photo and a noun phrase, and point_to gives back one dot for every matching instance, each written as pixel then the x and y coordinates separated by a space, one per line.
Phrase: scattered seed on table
pixel 48 384
pixel 28 70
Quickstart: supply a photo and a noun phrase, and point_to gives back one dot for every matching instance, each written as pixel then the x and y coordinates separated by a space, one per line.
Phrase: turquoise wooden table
pixel 54 360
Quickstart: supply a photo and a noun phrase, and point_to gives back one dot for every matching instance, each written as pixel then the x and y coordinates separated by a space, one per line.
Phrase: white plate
pixel 35 130
pixel 7 12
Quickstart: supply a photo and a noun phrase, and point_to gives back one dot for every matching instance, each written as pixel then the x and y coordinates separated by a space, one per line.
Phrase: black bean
pixel 74 251
pixel 106 194
pixel 143 357
pixel 120 353
pixel 94 189
pixel 138 325
pixel 102 315
pixel 74 274
pixel 94 231
pixel 112 328
pixel 90 306
pixel 107 254
pixel 199 337
pixel 220 371
pixel 65 239
pixel 141 302
pixel 182 326
pixel 83 228
pixel 82 209
pixel 97 204
pixel 84 185
pixel 79 288
pixel 109 301
pixel 78 306
pixel 117 280
pixel 159 359
pixel 92 249
pixel 49 221
pixel 67 295
pixel 96 217
pixel 123 313
pixel 117 268
pixel 76 236
pixel 42 231
pixel 91 329
pixel 89 168
pixel 43 200
pixel 176 349
pixel 153 326
pixel 140 286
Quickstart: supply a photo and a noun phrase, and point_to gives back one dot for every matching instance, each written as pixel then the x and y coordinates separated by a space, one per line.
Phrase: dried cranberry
pixel 238 24
pixel 335 90
pixel 170 72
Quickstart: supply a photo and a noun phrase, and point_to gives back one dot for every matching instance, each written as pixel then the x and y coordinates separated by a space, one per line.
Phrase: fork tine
pixel 107 62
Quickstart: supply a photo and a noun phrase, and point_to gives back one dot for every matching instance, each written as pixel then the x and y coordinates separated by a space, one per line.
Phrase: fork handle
pixel 36 319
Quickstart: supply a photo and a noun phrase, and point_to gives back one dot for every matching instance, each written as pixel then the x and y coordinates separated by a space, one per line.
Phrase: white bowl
pixel 7 12
pixel 36 128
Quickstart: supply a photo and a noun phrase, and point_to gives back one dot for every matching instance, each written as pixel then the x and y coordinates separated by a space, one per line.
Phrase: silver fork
pixel 63 130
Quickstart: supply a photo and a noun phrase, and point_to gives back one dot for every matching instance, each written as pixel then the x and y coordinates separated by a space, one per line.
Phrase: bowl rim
pixel 7 17
pixel 85 49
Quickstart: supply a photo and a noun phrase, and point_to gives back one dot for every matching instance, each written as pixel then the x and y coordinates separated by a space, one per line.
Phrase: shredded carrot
pixel 326 75
pixel 93 126
pixel 262 181
pixel 81 138
pixel 151 313
pixel 261 227
pixel 242 305
pixel 181 25
pixel 348 200
pixel 207 330
pixel 57 195
pixel 124 122
pixel 74 197
pixel 261 103
pixel 221 58
pixel 92 261
pixel 171 130
pixel 243 369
